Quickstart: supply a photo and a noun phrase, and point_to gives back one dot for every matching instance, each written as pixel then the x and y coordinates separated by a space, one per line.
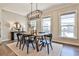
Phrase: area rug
pixel 56 51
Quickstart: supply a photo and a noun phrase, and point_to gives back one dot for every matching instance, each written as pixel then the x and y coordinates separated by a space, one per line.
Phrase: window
pixel 46 24
pixel 33 24
pixel 68 25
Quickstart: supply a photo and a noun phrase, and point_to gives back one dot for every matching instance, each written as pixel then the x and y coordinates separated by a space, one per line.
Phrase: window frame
pixel 50 23
pixel 75 27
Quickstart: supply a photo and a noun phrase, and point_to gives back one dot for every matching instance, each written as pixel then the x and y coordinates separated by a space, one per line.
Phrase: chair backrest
pixel 28 37
pixel 19 36
pixel 41 32
pixel 49 35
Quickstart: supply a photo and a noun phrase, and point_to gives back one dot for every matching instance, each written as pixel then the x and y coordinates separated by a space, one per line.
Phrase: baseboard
pixel 66 43
pixel 4 40
pixel 0 40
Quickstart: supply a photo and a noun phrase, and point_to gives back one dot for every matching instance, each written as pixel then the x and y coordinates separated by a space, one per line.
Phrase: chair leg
pixel 33 45
pixel 48 48
pixel 23 45
pixel 51 45
pixel 17 44
pixel 20 45
pixel 41 47
pixel 27 47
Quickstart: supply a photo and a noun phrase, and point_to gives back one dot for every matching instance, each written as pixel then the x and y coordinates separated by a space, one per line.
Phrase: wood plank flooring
pixel 67 50
pixel 5 51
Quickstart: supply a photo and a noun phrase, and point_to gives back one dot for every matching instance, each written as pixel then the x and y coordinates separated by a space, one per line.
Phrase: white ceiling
pixel 24 8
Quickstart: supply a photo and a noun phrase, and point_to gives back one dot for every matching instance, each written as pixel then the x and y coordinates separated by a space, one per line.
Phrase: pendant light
pixel 36 14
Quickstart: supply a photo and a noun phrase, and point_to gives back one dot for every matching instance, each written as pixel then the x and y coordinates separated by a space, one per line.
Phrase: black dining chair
pixel 28 39
pixel 19 40
pixel 46 42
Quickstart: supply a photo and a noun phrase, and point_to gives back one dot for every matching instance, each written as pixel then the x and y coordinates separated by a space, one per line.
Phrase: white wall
pixel 0 21
pixel 8 19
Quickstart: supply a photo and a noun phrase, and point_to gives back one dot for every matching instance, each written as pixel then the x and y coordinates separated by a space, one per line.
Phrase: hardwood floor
pixel 5 51
pixel 67 50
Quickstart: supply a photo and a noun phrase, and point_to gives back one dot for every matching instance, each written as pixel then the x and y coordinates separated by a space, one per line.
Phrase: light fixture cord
pixel 36 6
pixel 31 8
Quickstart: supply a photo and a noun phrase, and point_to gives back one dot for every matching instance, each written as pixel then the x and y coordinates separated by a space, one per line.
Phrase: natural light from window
pixel 46 25
pixel 68 25
pixel 33 24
